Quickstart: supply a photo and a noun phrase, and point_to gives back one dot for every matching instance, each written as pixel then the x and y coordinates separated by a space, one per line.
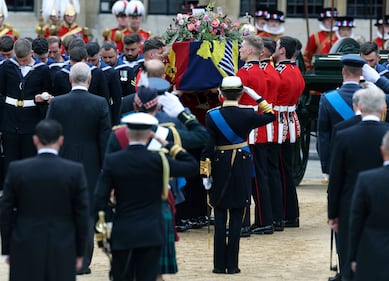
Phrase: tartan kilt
pixel 168 261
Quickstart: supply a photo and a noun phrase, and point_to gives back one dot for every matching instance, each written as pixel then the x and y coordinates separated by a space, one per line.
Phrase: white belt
pixel 19 103
pixel 280 108
pixel 284 108
pixel 291 108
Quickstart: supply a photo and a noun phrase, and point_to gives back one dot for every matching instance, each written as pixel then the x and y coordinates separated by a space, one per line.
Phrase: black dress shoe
pixel 278 225
pixel 233 270
pixel 292 223
pixel 218 271
pixel 84 271
pixel 268 229
pixel 245 232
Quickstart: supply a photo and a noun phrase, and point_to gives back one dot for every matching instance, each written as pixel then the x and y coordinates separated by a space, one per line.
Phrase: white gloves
pixel 45 95
pixel 369 73
pixel 253 94
pixel 207 182
pixel 170 104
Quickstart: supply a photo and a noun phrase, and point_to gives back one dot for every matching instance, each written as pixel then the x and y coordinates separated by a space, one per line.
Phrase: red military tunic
pixel 292 85
pixel 144 35
pixel 66 30
pixel 116 35
pixel 266 133
pixel 52 30
pixel 7 29
pixel 252 76
pixel 380 42
pixel 318 43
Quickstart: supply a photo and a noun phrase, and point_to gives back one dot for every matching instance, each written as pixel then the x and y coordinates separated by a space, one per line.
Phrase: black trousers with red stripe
pixel 291 207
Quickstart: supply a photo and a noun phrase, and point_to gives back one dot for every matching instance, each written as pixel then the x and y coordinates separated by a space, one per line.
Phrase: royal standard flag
pixel 200 65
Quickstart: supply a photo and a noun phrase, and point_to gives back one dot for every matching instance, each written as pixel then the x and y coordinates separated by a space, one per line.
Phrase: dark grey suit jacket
pixel 45 217
pixel 356 149
pixel 369 225
pixel 85 119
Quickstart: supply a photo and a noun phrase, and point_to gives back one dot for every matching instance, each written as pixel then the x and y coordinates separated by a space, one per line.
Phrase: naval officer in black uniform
pixel 138 205
pixel 231 168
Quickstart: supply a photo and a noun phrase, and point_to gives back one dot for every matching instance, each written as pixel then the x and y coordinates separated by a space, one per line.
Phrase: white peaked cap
pixel 139 121
pixel 119 7
pixel 135 8
pixel 3 9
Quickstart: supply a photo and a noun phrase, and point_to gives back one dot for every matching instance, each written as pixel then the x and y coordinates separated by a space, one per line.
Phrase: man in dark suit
pixel 85 119
pixel 98 84
pixel 138 228
pixel 338 127
pixel 369 218
pixel 330 114
pixel 44 222
pixel 355 149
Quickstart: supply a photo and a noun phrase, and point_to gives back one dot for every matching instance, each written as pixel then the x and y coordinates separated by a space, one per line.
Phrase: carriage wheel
pixel 301 153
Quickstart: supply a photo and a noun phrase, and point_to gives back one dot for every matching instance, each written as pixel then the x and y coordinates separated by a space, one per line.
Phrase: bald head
pixel 80 74
pixel 155 68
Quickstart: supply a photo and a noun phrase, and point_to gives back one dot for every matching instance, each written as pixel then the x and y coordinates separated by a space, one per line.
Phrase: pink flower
pixel 181 22
pixel 215 23
pixel 224 25
pixel 197 23
pixel 191 27
pixel 179 17
pixel 206 17
pixel 236 24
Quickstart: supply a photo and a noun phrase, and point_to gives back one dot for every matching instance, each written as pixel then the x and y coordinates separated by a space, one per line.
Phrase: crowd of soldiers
pixel 33 72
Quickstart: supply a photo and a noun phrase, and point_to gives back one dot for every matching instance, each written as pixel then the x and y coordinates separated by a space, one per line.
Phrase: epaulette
pixel 118 36
pixel 86 31
pixel 106 33
pixel 16 33
pixel 281 67
pixel 114 128
pixel 7 25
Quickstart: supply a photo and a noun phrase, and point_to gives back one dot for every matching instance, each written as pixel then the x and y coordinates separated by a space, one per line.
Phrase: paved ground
pixel 296 254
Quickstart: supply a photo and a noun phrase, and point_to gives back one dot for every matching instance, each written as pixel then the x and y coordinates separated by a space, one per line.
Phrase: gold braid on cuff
pixel 175 149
